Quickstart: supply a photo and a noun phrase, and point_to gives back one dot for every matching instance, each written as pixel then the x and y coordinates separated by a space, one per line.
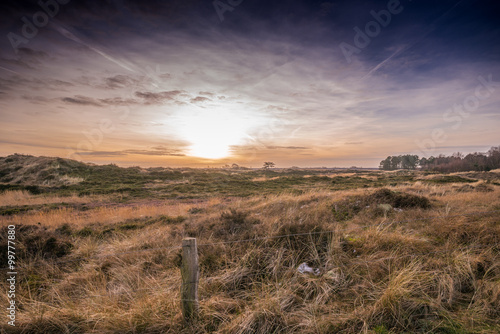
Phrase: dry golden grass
pixel 414 271
pixel 262 179
pixel 23 197
pixel 333 175
pixel 101 214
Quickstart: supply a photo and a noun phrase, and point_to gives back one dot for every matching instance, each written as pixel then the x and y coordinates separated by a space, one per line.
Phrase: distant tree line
pixel 407 161
pixel 457 162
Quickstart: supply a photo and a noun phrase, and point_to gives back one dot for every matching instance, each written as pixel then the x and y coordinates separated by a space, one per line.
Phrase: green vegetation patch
pixel 14 210
pixel 450 179
pixel 35 241
pixel 378 202
pixel 235 222
pixel 398 199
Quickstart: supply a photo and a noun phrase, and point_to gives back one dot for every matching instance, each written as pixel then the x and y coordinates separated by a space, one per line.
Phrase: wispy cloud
pixel 156 151
pixel 158 98
pixel 287 148
pixel 81 100
pixel 279 81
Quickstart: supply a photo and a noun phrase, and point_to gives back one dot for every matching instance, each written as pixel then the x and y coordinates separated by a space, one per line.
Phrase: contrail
pixel 6 69
pixel 400 50
pixel 72 37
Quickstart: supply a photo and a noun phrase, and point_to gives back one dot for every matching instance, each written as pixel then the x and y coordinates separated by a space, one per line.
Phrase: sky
pixel 208 83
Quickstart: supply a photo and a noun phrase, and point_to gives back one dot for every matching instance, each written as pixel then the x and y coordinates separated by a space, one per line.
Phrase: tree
pixel 268 164
pixel 423 162
pixel 409 161
pixel 385 164
pixel 457 162
pixel 494 157
pixel 395 162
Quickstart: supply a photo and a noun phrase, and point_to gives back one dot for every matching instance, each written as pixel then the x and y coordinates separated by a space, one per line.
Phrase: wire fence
pixel 245 273
pixel 250 240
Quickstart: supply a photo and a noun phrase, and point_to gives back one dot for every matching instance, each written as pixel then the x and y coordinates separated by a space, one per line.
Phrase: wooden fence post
pixel 190 276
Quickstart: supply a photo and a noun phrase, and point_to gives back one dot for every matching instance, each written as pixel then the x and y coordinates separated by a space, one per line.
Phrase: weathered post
pixel 190 276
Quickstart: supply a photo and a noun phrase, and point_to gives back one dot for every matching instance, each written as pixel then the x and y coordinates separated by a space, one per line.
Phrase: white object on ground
pixel 304 268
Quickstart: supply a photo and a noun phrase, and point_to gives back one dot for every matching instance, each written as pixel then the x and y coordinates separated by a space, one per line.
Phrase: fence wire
pixel 44 262
pixel 246 273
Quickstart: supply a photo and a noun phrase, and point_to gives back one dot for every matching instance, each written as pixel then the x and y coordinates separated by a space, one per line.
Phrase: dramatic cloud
pixel 155 151
pixel 81 100
pixel 200 99
pixel 158 98
pixel 119 81
pixel 170 83
pixel 287 148
pixel 24 52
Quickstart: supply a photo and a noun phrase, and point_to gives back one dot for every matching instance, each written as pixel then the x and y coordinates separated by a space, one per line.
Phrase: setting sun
pixel 212 133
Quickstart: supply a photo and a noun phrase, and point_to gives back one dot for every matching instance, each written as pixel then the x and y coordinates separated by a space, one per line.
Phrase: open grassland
pixel 396 251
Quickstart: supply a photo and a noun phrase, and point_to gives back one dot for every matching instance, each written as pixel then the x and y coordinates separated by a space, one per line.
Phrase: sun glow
pixel 211 133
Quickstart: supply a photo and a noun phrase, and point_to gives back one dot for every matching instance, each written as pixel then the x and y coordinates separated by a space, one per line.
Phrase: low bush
pixel 35 241
pixel 349 207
